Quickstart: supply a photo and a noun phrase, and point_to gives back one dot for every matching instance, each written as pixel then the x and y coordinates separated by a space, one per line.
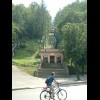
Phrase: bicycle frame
pixel 56 91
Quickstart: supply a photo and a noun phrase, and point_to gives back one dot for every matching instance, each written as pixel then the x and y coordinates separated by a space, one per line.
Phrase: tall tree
pixel 29 20
pixel 74 36
pixel 71 23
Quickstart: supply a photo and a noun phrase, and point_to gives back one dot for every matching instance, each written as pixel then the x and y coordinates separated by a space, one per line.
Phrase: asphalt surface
pixel 22 80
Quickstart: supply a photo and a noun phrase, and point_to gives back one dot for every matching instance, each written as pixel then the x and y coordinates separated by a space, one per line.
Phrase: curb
pixel 24 88
pixel 74 83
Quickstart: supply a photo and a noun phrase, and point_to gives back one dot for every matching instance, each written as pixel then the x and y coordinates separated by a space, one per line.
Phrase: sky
pixel 52 5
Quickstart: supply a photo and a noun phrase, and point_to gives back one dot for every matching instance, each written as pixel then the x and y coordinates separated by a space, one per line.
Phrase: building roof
pixel 45 51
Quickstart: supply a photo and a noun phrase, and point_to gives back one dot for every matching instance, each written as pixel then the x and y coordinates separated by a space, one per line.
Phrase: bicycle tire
pixel 62 93
pixel 44 95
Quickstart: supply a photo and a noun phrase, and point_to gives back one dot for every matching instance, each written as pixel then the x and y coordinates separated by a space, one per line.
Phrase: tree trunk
pixel 13 53
pixel 77 73
pixel 71 62
pixel 83 70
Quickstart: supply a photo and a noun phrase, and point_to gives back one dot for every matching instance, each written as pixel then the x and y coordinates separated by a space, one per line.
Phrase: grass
pixel 29 70
pixel 27 58
pixel 47 46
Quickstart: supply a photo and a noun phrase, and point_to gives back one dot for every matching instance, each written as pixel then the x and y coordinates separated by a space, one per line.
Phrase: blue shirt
pixel 51 78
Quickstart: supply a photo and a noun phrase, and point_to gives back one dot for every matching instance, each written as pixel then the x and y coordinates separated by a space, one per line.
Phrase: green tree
pixel 73 13
pixel 15 29
pixel 71 23
pixel 74 36
pixel 29 20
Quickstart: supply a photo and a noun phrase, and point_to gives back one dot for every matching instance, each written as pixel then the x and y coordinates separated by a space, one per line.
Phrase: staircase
pixel 47 68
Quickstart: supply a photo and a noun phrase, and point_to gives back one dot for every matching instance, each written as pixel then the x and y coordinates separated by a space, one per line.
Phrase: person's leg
pixel 52 89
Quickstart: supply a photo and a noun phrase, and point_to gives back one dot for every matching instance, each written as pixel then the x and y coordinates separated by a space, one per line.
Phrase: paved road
pixel 21 79
pixel 78 92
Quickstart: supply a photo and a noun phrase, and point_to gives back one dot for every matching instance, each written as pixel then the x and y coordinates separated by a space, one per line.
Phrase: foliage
pixel 34 23
pixel 75 42
pixel 31 22
pixel 73 13
pixel 71 25
pixel 26 58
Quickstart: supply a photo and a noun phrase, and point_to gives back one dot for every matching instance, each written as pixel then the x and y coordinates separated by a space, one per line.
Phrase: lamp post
pixel 42 16
pixel 54 33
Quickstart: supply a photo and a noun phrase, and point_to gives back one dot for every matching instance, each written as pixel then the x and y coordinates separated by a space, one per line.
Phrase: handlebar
pixel 57 84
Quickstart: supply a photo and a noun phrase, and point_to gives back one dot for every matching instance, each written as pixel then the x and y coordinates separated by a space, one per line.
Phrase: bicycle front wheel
pixel 44 95
pixel 62 94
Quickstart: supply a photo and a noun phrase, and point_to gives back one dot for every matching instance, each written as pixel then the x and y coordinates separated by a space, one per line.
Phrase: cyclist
pixel 51 79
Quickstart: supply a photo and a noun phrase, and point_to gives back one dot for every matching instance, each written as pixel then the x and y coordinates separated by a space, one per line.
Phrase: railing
pixel 66 69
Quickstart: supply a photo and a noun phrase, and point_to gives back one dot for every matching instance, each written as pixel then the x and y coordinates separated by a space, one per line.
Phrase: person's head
pixel 53 73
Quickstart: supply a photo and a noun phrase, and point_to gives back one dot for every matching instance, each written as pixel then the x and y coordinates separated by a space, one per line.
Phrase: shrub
pixel 22 46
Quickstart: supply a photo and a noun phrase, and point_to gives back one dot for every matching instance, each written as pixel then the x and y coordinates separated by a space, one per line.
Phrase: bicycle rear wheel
pixel 62 94
pixel 44 95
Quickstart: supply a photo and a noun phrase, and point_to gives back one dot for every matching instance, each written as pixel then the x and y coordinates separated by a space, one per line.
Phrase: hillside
pixel 27 56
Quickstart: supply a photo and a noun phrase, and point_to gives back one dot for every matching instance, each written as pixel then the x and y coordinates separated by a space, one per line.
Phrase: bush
pixel 37 56
pixel 22 46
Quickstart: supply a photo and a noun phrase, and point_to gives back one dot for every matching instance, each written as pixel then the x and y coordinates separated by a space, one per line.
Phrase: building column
pixel 61 59
pixel 42 58
pixel 55 59
pixel 48 58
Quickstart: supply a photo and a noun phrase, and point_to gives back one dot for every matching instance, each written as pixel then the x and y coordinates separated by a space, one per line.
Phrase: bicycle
pixel 46 93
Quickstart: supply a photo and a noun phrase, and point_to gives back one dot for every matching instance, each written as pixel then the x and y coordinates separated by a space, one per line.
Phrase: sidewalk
pixel 22 80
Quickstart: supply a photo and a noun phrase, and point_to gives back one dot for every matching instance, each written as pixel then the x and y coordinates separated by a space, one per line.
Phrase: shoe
pixel 52 97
